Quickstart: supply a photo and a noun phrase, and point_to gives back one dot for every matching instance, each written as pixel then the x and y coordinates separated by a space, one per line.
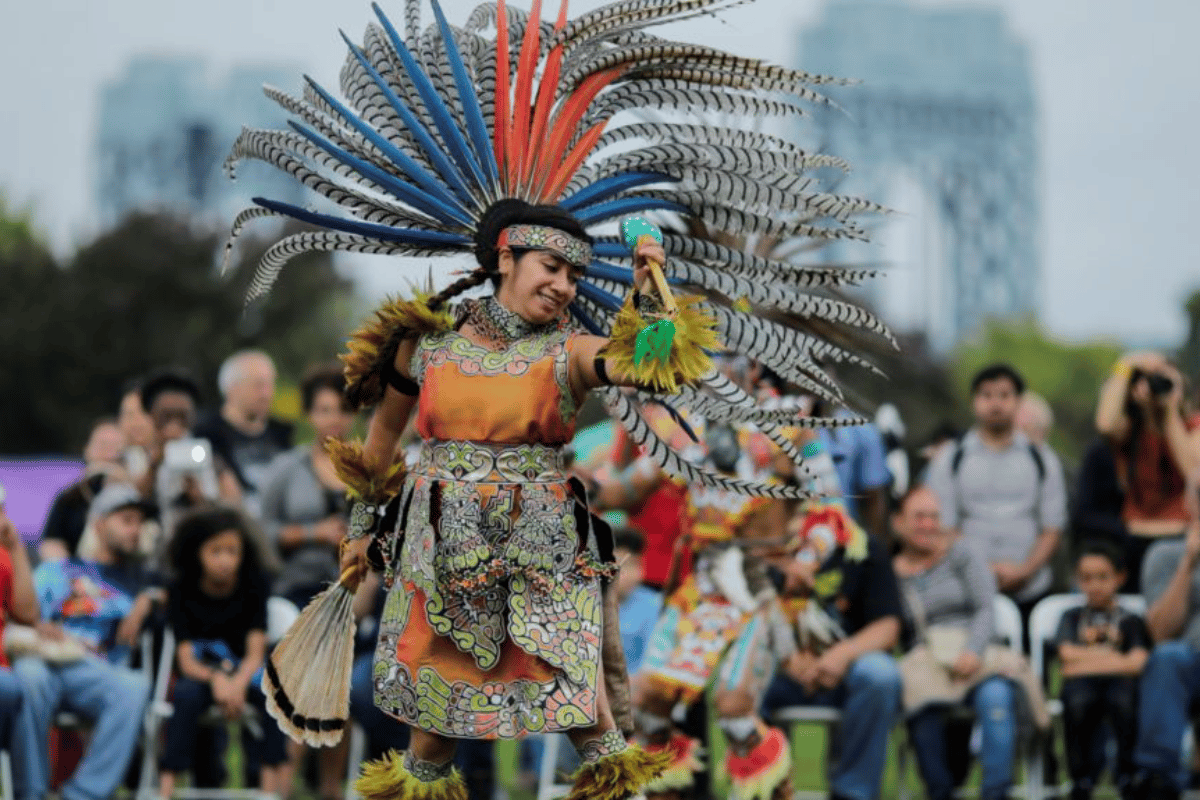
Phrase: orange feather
pixel 574 160
pixel 546 91
pixel 525 69
pixel 502 120
pixel 569 115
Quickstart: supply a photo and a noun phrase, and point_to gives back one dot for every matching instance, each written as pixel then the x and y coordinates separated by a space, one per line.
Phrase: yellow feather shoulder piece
pixel 361 483
pixel 694 334
pixel 372 347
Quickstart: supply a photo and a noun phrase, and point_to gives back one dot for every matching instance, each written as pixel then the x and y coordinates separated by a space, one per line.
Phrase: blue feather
pixel 679 420
pixel 597 295
pixel 424 138
pixel 626 205
pixel 469 97
pixel 585 318
pixel 410 168
pixel 612 185
pixel 434 239
pixel 611 272
pixel 448 215
pixel 451 135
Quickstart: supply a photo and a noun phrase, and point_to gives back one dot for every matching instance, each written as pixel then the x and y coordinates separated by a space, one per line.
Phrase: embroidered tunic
pixel 493 623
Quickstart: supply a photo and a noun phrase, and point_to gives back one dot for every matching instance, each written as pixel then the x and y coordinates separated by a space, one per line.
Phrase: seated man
pixel 18 602
pixel 1171 678
pixel 845 606
pixel 101 605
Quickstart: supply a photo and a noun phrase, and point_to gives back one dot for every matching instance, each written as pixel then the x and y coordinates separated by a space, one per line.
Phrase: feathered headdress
pixel 438 124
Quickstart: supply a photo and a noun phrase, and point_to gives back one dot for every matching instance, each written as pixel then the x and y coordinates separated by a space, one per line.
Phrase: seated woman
pixel 949 593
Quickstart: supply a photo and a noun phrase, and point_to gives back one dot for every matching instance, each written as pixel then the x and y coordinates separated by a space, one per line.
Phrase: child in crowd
pixel 218 611
pixel 1103 649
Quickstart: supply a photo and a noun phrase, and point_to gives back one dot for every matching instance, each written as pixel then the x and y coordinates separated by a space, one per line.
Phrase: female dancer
pixel 495 621
pixel 453 138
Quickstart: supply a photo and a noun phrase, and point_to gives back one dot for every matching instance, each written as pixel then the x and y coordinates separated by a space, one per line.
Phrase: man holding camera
pixel 1155 446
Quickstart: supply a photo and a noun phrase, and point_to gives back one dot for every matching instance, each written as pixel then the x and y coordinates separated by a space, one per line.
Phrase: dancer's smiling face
pixel 537 284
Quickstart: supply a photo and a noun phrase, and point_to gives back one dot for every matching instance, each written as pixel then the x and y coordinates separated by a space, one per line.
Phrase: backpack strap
pixel 1034 453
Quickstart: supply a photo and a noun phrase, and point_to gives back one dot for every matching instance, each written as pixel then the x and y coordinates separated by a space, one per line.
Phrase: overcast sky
pixel 1117 83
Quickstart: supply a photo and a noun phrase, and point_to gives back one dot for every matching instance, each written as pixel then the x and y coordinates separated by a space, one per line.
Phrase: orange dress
pixel 493 623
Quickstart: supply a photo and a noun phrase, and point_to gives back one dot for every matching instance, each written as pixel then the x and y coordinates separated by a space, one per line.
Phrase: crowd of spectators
pixel 187 522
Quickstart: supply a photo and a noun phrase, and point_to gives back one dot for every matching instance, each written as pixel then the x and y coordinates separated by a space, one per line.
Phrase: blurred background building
pixel 944 127
pixel 164 129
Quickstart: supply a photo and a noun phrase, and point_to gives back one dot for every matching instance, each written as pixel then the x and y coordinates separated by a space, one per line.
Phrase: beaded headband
pixel 541 237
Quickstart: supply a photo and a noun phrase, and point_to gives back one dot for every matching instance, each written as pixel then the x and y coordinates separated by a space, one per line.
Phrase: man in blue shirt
pixel 861 462
pixel 100 604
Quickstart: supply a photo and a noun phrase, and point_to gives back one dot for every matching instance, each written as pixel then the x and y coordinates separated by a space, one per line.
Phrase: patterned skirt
pixel 494 623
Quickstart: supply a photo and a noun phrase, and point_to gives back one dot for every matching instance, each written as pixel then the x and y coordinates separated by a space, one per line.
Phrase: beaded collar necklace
pixel 494 322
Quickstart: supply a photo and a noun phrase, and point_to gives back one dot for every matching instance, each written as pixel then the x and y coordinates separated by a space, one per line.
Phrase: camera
pixel 188 458
pixel 1158 384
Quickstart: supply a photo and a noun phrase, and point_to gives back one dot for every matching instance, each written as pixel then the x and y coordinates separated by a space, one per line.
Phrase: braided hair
pixel 499 216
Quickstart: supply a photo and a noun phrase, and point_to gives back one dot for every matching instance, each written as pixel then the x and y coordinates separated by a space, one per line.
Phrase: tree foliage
pixel 144 295
pixel 1188 357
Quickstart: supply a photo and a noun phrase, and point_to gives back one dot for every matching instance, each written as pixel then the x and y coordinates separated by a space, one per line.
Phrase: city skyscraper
pixel 943 128
pixel 165 128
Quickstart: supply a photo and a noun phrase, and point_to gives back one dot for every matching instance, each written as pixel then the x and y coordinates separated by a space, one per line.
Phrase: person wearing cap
pixel 101 604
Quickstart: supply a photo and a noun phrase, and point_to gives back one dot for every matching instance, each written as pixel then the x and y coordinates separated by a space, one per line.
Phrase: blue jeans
pixel 994 701
pixel 1170 683
pixel 10 704
pixel 869 699
pixel 113 697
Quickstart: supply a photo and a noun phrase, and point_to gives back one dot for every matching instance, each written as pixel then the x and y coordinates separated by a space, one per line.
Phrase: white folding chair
pixel 357 754
pixel 6 775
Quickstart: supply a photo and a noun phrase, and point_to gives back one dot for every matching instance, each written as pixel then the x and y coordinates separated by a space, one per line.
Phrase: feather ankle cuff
pixel 687 758
pixel 618 776
pixel 756 775
pixel 390 779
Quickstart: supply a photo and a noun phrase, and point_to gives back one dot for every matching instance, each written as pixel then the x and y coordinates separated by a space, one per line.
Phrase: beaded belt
pixel 484 462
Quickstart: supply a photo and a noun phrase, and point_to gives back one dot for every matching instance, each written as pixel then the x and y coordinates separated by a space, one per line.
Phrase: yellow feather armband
pixel 372 348
pixel 361 483
pixel 694 334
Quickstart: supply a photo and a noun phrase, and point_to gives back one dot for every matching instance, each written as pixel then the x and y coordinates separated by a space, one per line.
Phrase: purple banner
pixel 31 486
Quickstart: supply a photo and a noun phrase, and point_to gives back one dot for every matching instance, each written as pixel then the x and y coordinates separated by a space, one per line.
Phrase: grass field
pixel 809 748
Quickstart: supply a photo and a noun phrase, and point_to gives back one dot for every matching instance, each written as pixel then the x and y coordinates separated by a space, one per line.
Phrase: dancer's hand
pixel 354 554
pixel 642 256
